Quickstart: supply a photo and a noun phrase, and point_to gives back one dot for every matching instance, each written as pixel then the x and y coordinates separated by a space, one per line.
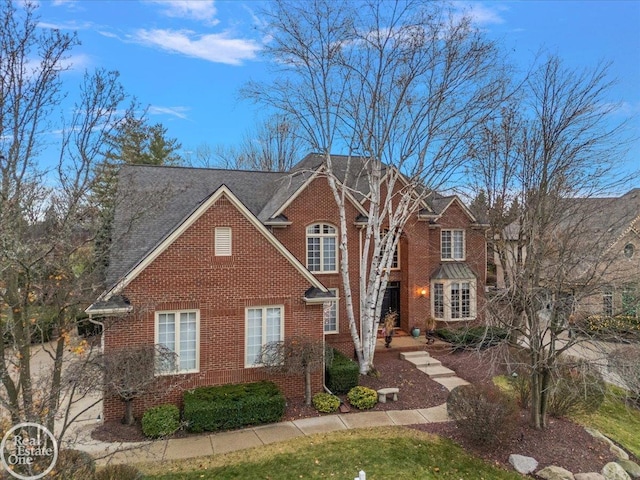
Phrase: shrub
pixel 483 414
pixel 119 472
pixel 600 325
pixel 342 373
pixel 577 387
pixel 325 402
pixel 161 421
pixel 480 337
pixel 232 406
pixel 362 398
pixel 74 465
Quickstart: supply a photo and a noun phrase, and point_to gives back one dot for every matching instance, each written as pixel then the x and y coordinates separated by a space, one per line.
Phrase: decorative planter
pixel 415 332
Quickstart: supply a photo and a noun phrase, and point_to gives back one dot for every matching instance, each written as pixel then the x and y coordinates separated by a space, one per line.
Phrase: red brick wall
pixel 419 255
pixel 316 204
pixel 475 243
pixel 187 275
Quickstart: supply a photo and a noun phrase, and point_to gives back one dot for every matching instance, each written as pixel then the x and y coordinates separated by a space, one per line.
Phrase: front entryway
pixel 391 301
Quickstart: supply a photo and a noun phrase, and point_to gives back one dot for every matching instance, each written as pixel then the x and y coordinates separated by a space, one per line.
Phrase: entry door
pixel 391 301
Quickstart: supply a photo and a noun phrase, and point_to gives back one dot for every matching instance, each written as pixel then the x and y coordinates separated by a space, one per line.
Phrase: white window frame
pixel 629 293
pixel 177 340
pixel 223 242
pixel 447 300
pixel 263 341
pixel 607 303
pixel 451 254
pixel 322 236
pixel 335 306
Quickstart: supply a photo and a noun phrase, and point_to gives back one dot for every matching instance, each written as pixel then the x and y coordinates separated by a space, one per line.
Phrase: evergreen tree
pixel 134 142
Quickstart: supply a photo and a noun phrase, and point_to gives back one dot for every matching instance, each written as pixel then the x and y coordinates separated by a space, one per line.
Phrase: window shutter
pixel 223 241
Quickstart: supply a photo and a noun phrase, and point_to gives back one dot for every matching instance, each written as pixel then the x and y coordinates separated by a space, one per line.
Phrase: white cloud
pixel 214 47
pixel 73 63
pixel 179 112
pixel 78 62
pixel 482 14
pixel 202 10
pixel 67 25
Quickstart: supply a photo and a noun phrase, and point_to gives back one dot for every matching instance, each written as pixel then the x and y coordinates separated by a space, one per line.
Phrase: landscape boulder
pixel 555 473
pixel 618 452
pixel 523 464
pixel 632 468
pixel 588 476
pixel 613 471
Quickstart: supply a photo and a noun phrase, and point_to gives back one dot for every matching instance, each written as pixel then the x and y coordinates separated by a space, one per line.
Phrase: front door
pixel 391 301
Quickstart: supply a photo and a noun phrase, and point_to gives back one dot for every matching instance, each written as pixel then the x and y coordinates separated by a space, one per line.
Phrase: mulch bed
pixel 563 443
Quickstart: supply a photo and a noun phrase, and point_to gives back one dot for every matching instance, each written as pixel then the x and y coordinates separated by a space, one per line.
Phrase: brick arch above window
pixel 322 248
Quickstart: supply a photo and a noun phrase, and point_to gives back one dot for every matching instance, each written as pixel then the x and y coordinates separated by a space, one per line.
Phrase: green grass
pixel 383 453
pixel 616 420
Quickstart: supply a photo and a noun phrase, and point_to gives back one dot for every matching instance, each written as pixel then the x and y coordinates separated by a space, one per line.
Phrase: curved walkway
pixel 219 443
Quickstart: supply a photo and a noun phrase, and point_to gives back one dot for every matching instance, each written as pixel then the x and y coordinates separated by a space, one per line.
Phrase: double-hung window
pixel 607 303
pixel 263 325
pixel 178 334
pixel 630 301
pixel 322 242
pixel 330 313
pixel 452 245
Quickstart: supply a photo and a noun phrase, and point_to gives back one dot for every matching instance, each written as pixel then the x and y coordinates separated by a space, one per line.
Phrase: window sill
pixel 177 372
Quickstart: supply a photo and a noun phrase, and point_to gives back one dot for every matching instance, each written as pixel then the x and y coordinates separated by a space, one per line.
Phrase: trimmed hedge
pixel 342 374
pixel 473 337
pixel 161 421
pixel 227 407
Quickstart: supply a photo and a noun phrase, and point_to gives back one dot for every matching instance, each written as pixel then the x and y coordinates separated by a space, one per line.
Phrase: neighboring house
pixel 213 264
pixel 611 227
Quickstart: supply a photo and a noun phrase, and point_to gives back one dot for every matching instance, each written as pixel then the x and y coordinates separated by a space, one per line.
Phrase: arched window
pixel 322 241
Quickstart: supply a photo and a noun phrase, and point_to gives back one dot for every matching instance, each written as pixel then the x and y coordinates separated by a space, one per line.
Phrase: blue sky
pixel 185 60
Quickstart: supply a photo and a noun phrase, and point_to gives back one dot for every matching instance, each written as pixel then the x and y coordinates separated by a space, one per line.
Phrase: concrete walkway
pixel 225 442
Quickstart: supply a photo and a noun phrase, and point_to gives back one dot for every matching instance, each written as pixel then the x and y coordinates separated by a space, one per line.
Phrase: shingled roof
pixel 153 200
pixel 607 218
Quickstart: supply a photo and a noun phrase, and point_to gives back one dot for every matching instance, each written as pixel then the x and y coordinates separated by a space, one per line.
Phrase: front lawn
pixel 616 420
pixel 391 452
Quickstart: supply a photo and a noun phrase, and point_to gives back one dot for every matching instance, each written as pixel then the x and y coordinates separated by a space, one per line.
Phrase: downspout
pixel 101 324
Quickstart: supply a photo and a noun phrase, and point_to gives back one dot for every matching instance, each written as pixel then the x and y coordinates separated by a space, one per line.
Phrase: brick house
pixel 213 264
pixel 610 252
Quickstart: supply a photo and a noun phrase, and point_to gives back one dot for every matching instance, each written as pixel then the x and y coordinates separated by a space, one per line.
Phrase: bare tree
pixel 130 373
pixel 273 146
pixel 46 223
pixel 395 86
pixel 295 356
pixel 554 152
